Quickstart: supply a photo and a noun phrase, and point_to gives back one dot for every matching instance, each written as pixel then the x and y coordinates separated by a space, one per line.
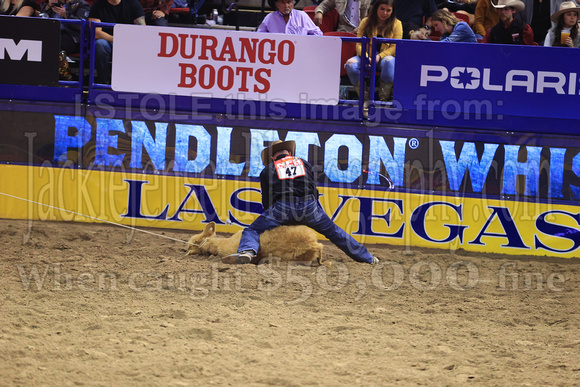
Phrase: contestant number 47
pixel 290 168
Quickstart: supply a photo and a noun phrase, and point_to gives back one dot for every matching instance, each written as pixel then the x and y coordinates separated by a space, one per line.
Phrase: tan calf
pixel 289 243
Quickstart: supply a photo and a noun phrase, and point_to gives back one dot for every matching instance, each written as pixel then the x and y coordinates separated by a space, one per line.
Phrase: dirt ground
pixel 88 304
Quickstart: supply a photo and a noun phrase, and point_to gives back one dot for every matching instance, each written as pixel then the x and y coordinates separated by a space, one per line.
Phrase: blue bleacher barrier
pixel 525 109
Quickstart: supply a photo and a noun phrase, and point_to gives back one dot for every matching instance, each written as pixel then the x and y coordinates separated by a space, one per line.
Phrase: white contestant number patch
pixel 289 168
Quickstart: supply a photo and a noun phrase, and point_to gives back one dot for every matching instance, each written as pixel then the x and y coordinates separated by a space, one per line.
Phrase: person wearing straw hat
pixel 565 33
pixel 537 15
pixel 290 196
pixel 511 29
pixel 287 20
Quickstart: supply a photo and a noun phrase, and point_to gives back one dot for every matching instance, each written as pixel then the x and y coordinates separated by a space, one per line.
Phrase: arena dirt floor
pixel 88 304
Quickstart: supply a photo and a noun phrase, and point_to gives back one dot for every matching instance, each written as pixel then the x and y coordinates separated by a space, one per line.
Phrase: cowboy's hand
pixel 157 14
pixel 318 18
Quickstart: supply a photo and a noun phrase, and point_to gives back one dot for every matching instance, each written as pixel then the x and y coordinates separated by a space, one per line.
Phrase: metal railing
pixel 91 53
pixel 82 52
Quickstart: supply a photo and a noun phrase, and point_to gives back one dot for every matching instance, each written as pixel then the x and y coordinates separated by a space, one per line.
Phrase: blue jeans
pixel 386 66
pixel 160 22
pixel 103 50
pixel 306 211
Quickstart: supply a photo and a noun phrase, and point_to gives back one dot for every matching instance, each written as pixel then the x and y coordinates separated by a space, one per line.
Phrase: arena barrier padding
pixel 477 151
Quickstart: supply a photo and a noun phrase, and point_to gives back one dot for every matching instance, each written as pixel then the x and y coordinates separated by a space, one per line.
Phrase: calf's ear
pixel 209 229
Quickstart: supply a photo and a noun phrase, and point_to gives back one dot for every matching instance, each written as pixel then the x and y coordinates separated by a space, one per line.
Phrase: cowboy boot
pixel 386 91
pixel 64 73
pixel 356 87
pixel 366 96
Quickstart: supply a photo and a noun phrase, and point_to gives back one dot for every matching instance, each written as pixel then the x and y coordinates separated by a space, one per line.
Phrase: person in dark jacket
pixel 511 29
pixel 413 13
pixel 290 196
pixel 70 34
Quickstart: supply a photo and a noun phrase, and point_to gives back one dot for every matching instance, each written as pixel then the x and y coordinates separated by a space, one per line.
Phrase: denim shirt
pixel 298 24
pixel 462 32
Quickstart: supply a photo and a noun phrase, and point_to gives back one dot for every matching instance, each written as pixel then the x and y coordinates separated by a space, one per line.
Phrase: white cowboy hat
pixel 567 6
pixel 275 147
pixel 517 4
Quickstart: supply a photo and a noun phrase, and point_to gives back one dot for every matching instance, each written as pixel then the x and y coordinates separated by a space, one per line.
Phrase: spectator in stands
pixel 70 34
pixel 486 17
pixel 17 7
pixel 464 7
pixel 287 20
pixel 511 29
pixel 382 23
pixel 451 29
pixel 156 11
pixel 180 17
pixel 350 13
pixel 412 13
pixel 111 11
pixel 457 5
pixel 537 15
pixel 565 33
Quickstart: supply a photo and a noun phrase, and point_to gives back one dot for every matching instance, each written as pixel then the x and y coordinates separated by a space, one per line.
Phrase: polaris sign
pixel 472 78
pixel 522 81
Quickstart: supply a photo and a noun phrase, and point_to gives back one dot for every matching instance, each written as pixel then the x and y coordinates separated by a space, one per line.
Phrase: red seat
pixel 179 10
pixel 434 35
pixel 462 17
pixel 348 48
pixel 310 11
pixel 329 19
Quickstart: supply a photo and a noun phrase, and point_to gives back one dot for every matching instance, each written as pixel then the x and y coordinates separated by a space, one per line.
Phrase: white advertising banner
pixel 226 64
